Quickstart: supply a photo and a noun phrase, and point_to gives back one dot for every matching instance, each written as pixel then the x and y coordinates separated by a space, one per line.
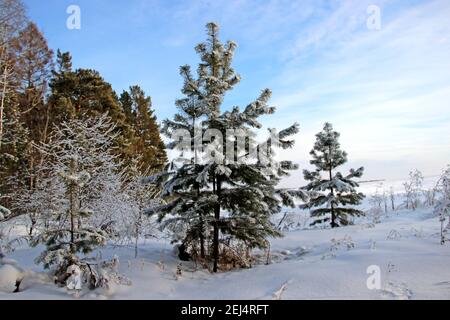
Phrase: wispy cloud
pixel 386 91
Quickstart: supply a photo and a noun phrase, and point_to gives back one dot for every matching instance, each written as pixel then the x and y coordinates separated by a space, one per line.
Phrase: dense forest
pixel 40 90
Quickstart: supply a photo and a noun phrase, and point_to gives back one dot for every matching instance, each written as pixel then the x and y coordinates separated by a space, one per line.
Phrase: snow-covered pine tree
pixel 37 205
pixel 185 169
pixel 78 151
pixel 332 192
pixel 230 196
pixel 107 198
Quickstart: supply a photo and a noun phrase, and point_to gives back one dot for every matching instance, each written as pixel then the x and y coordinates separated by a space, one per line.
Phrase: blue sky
pixel 387 91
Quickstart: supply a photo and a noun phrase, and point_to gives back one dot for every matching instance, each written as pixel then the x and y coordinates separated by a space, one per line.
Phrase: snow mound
pixel 8 277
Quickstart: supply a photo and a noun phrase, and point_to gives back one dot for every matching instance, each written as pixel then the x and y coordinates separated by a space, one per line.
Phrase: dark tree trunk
pixel 17 289
pixel 182 253
pixel 202 240
pixel 72 222
pixel 333 215
pixel 202 225
pixel 33 223
pixel 216 227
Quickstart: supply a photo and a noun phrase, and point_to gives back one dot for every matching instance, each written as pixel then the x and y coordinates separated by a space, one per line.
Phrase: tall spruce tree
pixel 34 64
pixel 12 20
pixel 331 192
pixel 232 191
pixel 147 142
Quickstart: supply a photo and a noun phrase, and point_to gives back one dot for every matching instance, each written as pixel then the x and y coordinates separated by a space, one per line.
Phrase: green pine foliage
pixel 332 192
pixel 210 197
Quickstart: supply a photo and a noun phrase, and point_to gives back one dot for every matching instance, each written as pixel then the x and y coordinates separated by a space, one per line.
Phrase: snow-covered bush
pixel 292 221
pixel 431 196
pixel 131 200
pixel 4 212
pixel 442 208
pixel 93 274
pixel 339 243
pixel 375 213
pixel 10 277
pixel 413 190
pixel 376 202
pixel 393 235
pixel 37 207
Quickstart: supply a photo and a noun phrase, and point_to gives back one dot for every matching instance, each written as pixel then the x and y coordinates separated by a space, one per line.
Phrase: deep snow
pixel 306 264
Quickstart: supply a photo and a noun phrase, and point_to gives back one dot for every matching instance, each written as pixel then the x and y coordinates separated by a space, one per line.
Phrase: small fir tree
pixel 333 192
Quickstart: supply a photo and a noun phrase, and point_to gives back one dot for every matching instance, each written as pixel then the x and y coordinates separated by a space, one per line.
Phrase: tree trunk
pixel 202 239
pixel 31 166
pixel 216 227
pixel 72 221
pixel 136 247
pixel 202 225
pixel 137 231
pixel 333 215
pixel 33 223
pixel 2 103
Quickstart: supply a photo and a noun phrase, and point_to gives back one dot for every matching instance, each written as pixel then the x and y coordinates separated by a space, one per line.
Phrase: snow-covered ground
pixel 306 264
